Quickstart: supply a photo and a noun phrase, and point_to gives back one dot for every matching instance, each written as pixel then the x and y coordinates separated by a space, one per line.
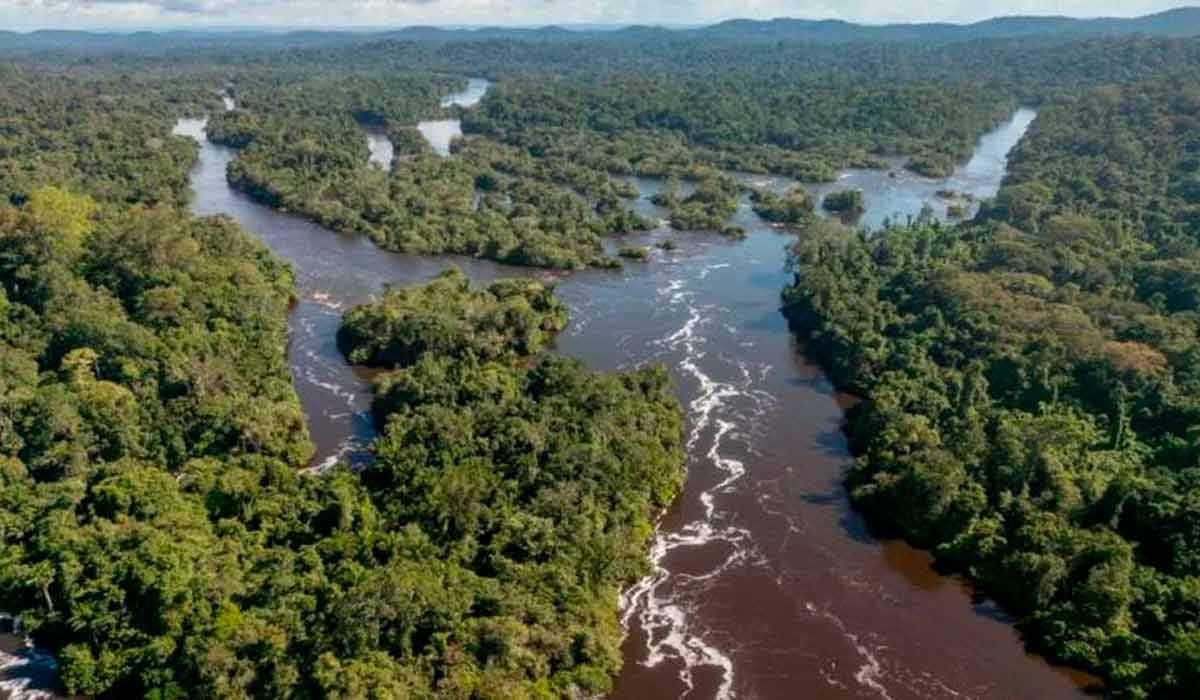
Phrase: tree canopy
pixel 1030 381
pixel 1029 377
pixel 533 481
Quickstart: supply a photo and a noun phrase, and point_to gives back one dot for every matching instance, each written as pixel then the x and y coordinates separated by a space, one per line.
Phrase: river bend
pixel 765 583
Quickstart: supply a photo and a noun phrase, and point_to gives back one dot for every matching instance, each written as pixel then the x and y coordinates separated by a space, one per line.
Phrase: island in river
pixel 763 516
pixel 762 579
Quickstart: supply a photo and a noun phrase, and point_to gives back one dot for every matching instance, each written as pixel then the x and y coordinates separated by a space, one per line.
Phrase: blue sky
pixel 29 14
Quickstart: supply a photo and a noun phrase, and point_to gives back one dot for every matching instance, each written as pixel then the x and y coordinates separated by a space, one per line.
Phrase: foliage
pixel 843 201
pixel 99 134
pixel 796 207
pixel 157 536
pixel 1030 377
pixel 1031 396
pixel 140 348
pixel 511 319
pixel 533 488
pixel 302 149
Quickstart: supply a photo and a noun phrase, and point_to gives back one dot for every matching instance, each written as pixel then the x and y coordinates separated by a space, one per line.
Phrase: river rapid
pixel 26 673
pixel 765 583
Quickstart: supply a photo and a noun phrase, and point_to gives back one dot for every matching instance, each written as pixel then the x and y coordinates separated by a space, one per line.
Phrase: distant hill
pixel 1181 22
pixel 154 42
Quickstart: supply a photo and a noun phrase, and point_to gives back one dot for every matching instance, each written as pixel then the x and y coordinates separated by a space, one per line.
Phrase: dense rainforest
pixel 540 178
pixel 510 319
pixel 98 132
pixel 1031 382
pixel 1028 378
pixel 533 480
pixel 303 149
pixel 157 531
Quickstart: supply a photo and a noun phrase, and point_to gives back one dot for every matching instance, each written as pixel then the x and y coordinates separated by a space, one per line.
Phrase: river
pixel 766 583
pixel 380 146
pixel 26 673
pixel 896 193
pixel 441 132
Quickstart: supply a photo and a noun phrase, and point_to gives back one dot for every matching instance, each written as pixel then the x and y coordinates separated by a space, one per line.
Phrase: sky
pixel 129 14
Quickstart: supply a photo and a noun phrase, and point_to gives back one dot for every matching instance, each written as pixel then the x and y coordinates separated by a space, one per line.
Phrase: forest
pixel 1030 380
pixel 157 530
pixel 540 178
pixel 303 150
pixel 532 481
pixel 1029 393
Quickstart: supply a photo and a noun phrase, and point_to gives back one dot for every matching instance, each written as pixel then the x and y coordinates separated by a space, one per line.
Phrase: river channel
pixel 766 584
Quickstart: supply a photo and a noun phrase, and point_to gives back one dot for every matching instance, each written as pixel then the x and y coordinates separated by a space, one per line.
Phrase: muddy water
pixel 333 271
pixel 766 584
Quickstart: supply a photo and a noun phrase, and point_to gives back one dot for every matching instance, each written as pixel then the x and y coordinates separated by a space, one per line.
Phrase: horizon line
pixel 568 26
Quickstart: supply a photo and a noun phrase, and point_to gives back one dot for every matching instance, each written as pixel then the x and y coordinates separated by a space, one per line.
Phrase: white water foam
pixel 347 448
pixel 317 371
pixel 661 611
pixel 17 670
pixel 733 468
pixel 708 269
pixel 336 390
pixel 665 622
pixel 870 673
pixel 326 300
pixel 17 688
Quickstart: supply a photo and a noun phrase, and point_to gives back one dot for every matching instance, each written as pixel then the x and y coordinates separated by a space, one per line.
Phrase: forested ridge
pixel 1179 22
pixel 1030 381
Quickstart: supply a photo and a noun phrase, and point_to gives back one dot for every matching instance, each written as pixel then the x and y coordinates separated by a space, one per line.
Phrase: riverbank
pixel 765 580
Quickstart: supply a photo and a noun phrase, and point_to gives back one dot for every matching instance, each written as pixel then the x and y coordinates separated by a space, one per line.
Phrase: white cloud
pixel 28 14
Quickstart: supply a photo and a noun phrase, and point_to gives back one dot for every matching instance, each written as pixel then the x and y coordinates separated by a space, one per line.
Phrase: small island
pixel 844 202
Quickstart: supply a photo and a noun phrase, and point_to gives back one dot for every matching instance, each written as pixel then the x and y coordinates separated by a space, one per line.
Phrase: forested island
pixel 156 530
pixel 538 180
pixel 1027 378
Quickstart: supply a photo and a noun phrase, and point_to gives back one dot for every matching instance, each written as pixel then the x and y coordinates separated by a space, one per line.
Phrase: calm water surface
pixel 382 150
pixel 766 584
pixel 440 133
pixel 896 194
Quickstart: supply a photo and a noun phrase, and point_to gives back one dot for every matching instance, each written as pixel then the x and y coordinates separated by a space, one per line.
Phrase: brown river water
pixel 766 584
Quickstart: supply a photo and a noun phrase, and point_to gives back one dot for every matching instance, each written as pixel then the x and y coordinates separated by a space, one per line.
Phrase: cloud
pixel 280 9
pixel 319 13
